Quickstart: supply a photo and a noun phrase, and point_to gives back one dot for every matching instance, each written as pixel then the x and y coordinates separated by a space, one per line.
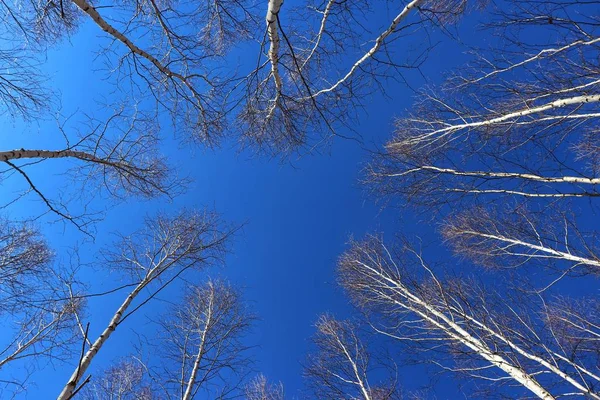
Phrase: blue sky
pixel 297 214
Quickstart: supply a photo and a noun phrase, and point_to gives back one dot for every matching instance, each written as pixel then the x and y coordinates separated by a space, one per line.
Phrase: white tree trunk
pixel 359 381
pixel 436 134
pixel 200 353
pixel 85 362
pixel 446 324
pixel 22 153
pixel 274 40
pixel 378 43
pixel 537 247
pixel 486 174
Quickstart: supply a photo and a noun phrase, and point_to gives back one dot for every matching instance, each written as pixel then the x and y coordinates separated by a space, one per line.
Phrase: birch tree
pixel 197 351
pixel 340 366
pixel 38 316
pixel 517 237
pixel 519 121
pixel 165 54
pixel 176 70
pixel 303 81
pixel 115 158
pixel 259 388
pixel 202 350
pixel 126 380
pixel 491 337
pixel 153 258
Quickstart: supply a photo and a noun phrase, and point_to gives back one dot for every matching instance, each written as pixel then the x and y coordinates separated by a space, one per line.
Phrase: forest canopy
pixel 324 199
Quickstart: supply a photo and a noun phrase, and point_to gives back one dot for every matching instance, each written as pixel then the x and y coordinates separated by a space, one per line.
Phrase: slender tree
pixel 154 257
pixel 117 157
pixel 513 238
pixel 296 87
pixel 340 367
pixel 260 389
pixel 519 121
pixel 492 337
pixel 38 315
pixel 164 53
pixel 202 348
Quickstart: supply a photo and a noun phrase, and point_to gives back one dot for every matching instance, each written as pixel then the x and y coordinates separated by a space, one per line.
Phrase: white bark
pixel 326 14
pixel 541 54
pixel 200 353
pixel 22 153
pixel 359 381
pixel 547 251
pixel 77 375
pixel 164 69
pixel 548 365
pixel 169 252
pixel 274 40
pixel 106 27
pixel 451 328
pixel 486 174
pixel 369 54
pixel 436 134
pixel 524 194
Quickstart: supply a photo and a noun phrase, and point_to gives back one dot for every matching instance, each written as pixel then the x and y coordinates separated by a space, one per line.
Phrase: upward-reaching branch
pixel 117 157
pixel 340 366
pixel 436 313
pixel 163 251
pixel 201 343
pixel 297 89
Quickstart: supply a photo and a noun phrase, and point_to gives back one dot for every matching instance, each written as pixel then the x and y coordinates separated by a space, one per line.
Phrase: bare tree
pixel 126 380
pixel 198 350
pixel 177 71
pixel 517 237
pixel 164 52
pixel 154 257
pixel 492 337
pixel 38 316
pixel 260 389
pixel 21 83
pixel 201 349
pixel 520 121
pixel 28 28
pixel 340 367
pixel 116 157
pixel 293 90
pixel 574 323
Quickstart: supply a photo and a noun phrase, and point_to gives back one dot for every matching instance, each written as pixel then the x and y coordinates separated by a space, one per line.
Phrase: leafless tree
pixel 177 70
pixel 574 323
pixel 201 350
pixel 296 87
pixel 491 337
pixel 28 27
pixel 21 83
pixel 38 316
pixel 165 53
pixel 126 380
pixel 511 237
pixel 260 389
pixel 197 351
pixel 520 121
pixel 154 257
pixel 116 157
pixel 340 367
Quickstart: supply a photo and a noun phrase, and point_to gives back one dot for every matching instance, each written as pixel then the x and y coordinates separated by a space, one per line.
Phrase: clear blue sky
pixel 298 213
